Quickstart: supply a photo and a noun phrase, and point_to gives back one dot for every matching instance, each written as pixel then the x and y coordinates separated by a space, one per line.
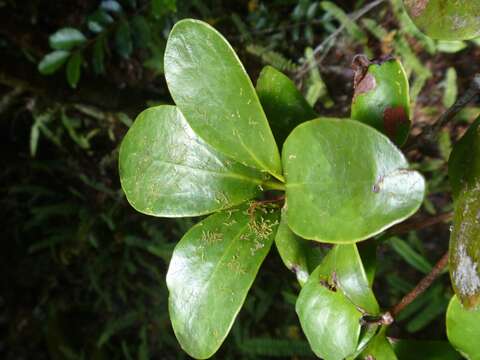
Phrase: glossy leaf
pixel 464 174
pixel 379 348
pixel 352 279
pixel 211 271
pixel 293 250
pixel 381 97
pixel 166 170
pixel 74 66
pixel 213 91
pixel 346 182
pixel 366 335
pixel 425 350
pixel 332 302
pixel 66 39
pixel 53 61
pixel 284 105
pixel 464 162
pixel 446 19
pixel 463 329
pixel 329 319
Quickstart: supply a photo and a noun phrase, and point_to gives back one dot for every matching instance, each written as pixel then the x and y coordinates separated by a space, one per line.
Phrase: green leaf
pixel 211 271
pixel 53 61
pixel 425 350
pixel 141 31
pixel 352 28
pixel 284 105
pixel 166 170
pixel 464 162
pixel 464 249
pixel 213 91
pixel 74 66
pixel 34 136
pixel 98 21
pixel 111 5
pixel 451 90
pixel 409 255
pixel 381 97
pixel 293 250
pixel 123 40
pixel 66 39
pixel 451 47
pixel 98 56
pixel 332 302
pixel 444 147
pixel 352 279
pixel 348 175
pixel 379 348
pixel 446 19
pixel 463 329
pixel 316 87
pixel 161 8
pixel 330 321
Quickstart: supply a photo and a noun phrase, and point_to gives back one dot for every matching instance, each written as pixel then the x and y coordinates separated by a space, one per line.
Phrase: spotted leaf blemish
pixel 465 275
pixel 416 7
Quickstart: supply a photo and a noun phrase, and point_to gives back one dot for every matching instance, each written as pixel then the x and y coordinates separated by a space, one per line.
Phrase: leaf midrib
pixel 232 175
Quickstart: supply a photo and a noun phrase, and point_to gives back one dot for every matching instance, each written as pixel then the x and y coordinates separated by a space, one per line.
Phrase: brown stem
pixel 472 92
pixel 423 285
pixel 419 224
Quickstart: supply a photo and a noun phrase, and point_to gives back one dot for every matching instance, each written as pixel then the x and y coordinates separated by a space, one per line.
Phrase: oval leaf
pixel 213 91
pixel 166 170
pixel 463 329
pixel 329 319
pixel 352 279
pixel 464 260
pixel 381 97
pixel 74 65
pixel 332 302
pixel 293 250
pixel 346 182
pixel 53 61
pixel 66 39
pixel 446 19
pixel 211 271
pixel 284 105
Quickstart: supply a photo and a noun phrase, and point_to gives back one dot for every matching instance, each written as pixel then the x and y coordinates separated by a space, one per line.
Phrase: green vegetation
pixel 85 275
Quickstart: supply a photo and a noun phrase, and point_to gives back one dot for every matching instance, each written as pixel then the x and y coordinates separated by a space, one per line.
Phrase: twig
pixel 472 92
pixel 423 285
pixel 420 223
pixel 306 67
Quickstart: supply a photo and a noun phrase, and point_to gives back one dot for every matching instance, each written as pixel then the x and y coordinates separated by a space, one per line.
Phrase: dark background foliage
pixel 83 274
